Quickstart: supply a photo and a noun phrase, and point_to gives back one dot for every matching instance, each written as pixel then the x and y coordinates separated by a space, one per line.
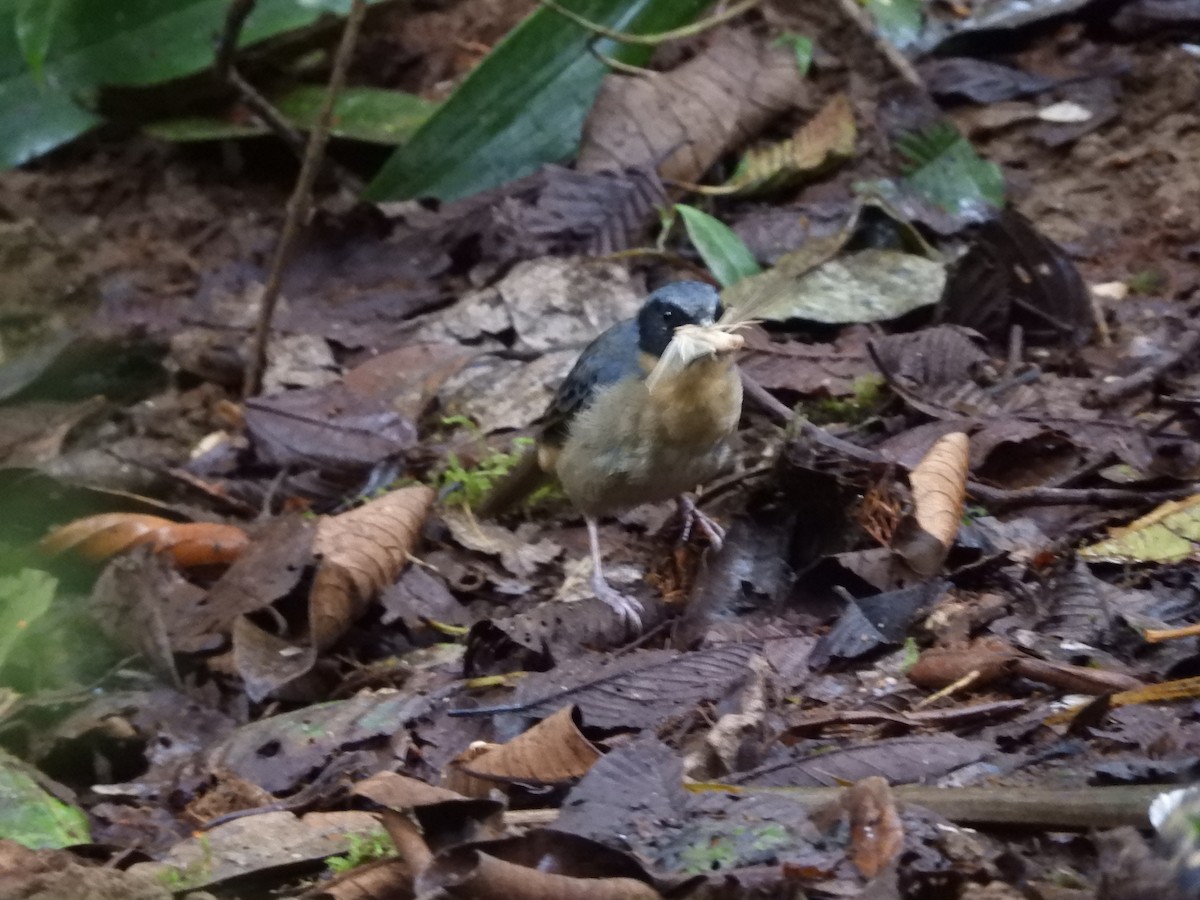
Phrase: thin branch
pixel 993 496
pixel 301 199
pixel 270 116
pixel 235 18
pixel 862 20
pixel 1123 388
pixel 652 40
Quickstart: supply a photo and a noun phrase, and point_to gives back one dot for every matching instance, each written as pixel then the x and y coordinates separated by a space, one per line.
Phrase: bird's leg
pixel 692 517
pixel 628 608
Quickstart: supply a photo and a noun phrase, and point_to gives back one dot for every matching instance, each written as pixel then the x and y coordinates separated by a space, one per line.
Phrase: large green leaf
pixel 525 104
pixel 89 44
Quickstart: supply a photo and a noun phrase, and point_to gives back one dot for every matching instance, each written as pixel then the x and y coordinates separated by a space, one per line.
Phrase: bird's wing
pixel 606 360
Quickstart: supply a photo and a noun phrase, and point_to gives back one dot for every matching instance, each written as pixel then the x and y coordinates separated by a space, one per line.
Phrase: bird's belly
pixel 626 450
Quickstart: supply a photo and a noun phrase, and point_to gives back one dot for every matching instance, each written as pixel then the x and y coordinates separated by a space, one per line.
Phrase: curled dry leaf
pixel 190 544
pixel 363 552
pixel 939 487
pixel 552 752
pixel 689 344
pixel 685 120
pixel 939 484
pixel 876 832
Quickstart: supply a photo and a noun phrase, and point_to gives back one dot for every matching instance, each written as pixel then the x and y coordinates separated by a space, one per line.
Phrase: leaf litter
pixel 875 626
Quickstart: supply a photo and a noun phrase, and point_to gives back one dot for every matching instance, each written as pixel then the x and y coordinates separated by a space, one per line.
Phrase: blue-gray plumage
pixel 613 444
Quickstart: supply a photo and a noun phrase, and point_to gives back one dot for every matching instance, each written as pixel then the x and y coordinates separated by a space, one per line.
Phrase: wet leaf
pixel 942 165
pixel 867 286
pixel 722 251
pixel 1168 534
pixel 524 105
pixel 635 692
pixel 31 816
pixel 817 146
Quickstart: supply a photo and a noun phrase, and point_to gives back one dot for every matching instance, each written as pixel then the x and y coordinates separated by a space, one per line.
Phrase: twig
pixel 652 40
pixel 300 201
pixel 898 61
pixel 270 116
pixel 1122 388
pixel 235 18
pixel 993 496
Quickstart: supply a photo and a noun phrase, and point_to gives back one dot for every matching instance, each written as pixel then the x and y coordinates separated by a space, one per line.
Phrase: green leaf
pixel 722 251
pixel 802 46
pixel 115 42
pixel 34 29
pixel 24 598
pixel 525 104
pixel 31 816
pixel 872 285
pixel 943 166
pixel 899 21
pixel 360 114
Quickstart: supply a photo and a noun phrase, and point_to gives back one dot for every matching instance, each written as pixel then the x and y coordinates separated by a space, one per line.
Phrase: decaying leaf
pixel 684 120
pixel 871 285
pixel 818 145
pixel 552 752
pixel 876 832
pixel 1169 534
pixel 939 486
pixel 189 543
pixel 363 551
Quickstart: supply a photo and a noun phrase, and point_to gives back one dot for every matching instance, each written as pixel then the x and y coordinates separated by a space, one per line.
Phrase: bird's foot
pixel 628 609
pixel 693 518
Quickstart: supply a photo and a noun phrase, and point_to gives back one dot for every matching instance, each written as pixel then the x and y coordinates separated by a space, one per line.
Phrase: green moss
pixel 869 395
pixel 364 848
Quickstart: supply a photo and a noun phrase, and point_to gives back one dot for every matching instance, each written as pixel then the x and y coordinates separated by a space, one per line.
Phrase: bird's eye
pixel 668 315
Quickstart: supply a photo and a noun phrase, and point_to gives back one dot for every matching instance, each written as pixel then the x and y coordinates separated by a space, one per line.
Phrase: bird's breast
pixel 634 446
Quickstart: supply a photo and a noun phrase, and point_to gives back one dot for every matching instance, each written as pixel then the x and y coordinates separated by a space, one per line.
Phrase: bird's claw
pixel 628 609
pixel 694 518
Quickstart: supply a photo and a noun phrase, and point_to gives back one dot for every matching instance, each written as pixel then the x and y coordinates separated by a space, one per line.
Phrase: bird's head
pixel 672 305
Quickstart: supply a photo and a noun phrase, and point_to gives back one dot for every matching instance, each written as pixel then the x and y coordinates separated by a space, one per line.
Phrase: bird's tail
pixel 522 480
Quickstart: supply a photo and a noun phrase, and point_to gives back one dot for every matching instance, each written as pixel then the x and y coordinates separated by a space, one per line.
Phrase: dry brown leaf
pixel 363 552
pixel 684 120
pixel 400 792
pixel 190 543
pixel 939 489
pixel 876 832
pixel 552 752
pixel 939 484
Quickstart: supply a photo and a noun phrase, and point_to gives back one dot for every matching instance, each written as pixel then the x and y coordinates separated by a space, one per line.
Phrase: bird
pixel 615 441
